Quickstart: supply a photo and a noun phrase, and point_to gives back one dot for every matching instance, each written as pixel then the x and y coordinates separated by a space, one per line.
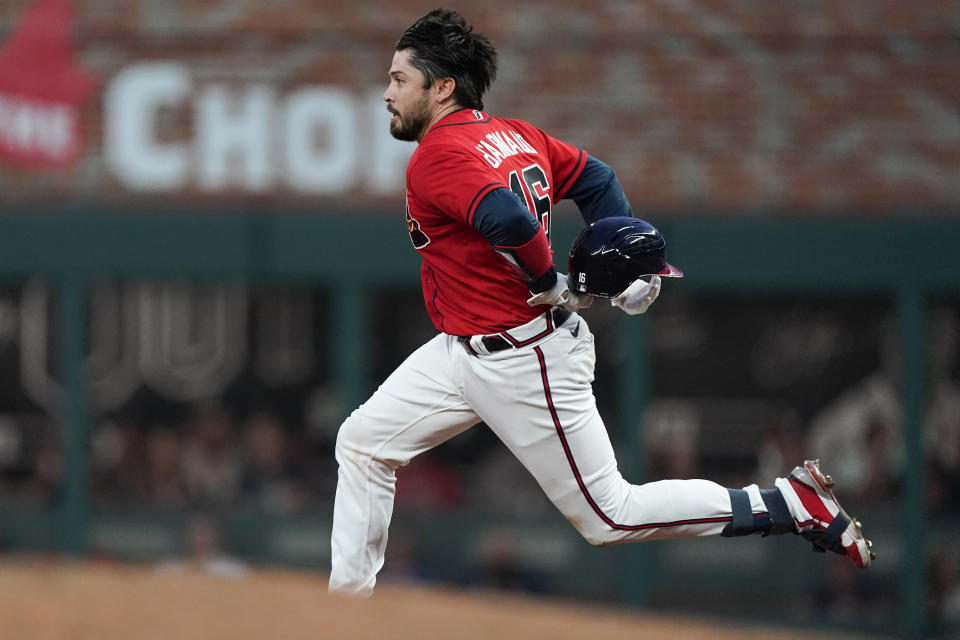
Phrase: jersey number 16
pixel 536 195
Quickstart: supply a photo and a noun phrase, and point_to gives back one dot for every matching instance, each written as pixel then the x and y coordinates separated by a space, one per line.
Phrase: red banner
pixel 41 89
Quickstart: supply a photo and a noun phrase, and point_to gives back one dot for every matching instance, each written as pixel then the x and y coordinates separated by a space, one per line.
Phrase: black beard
pixel 407 132
pixel 409 129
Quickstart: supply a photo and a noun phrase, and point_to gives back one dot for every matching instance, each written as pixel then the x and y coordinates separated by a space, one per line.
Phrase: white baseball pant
pixel 539 401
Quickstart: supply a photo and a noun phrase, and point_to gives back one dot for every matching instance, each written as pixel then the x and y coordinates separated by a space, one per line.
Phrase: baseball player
pixel 512 350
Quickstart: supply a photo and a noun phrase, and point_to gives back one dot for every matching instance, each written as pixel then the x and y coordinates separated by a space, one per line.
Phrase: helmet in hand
pixel 612 253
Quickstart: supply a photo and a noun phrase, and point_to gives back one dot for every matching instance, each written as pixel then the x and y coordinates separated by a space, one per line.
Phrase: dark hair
pixel 443 45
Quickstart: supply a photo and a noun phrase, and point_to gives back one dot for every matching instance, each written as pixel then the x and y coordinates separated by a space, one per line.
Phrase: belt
pixel 526 334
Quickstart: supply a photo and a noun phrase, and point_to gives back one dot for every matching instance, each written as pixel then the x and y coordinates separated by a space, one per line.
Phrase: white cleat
pixel 830 528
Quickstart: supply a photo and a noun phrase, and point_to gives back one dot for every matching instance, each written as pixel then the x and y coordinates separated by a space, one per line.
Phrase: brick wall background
pixel 746 107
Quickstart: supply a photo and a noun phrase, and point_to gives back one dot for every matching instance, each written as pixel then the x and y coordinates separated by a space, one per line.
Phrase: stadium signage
pixel 166 131
pixel 41 90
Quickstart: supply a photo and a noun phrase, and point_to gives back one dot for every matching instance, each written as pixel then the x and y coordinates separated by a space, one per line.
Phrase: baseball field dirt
pixel 91 601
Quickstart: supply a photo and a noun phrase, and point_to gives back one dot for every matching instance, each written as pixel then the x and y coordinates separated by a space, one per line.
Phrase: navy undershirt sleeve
pixel 504 220
pixel 597 192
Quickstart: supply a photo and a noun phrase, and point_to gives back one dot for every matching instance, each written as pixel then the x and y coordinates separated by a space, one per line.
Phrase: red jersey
pixel 468 287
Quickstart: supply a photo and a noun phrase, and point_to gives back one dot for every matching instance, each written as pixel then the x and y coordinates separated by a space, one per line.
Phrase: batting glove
pixel 561 296
pixel 638 297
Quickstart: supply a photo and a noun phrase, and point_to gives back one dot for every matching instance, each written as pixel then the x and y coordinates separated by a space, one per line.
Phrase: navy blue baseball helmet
pixel 612 253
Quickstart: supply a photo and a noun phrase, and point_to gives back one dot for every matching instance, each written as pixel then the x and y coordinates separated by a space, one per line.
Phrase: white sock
pixel 797 511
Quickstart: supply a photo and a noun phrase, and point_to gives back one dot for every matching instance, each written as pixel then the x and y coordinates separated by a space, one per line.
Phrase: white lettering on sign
pixel 131 107
pixel 31 127
pixel 187 342
pixel 314 140
pixel 319 140
pixel 233 138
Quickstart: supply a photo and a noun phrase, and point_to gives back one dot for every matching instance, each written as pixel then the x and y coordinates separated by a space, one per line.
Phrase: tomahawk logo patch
pixel 41 89
pixel 417 236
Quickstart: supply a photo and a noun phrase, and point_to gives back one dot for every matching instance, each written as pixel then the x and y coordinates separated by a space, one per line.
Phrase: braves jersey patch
pixel 417 236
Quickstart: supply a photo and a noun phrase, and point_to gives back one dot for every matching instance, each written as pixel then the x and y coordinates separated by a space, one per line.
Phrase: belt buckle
pixel 495 343
pixel 560 315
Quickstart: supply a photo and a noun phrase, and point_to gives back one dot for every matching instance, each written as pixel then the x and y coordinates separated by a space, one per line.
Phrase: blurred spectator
pixel 780 448
pixel 408 563
pixel 117 461
pixel 163 482
pixel 943 597
pixel 271 478
pixel 671 434
pixel 505 488
pixel 503 565
pixel 323 414
pixel 204 551
pixel 43 487
pixel 211 462
pixel 943 413
pixel 429 483
pixel 860 433
pixel 11 446
pixel 943 486
pixel 844 593
pixel 840 434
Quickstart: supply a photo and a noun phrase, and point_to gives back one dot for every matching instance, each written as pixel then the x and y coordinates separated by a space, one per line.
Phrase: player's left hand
pixel 638 297
pixel 561 296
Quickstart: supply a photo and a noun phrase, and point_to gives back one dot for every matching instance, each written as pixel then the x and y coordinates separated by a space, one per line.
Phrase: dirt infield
pixel 96 602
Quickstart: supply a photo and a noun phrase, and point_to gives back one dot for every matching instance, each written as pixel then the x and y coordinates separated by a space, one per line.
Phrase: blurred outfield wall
pixel 120 327
pixel 751 108
pixel 200 205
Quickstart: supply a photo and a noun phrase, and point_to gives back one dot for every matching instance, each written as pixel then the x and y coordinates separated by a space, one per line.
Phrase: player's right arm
pixel 506 223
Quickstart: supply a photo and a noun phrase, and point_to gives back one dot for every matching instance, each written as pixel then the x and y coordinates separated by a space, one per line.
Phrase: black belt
pixel 497 342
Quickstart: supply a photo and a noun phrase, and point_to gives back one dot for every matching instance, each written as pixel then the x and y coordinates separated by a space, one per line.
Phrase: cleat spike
pixel 828 480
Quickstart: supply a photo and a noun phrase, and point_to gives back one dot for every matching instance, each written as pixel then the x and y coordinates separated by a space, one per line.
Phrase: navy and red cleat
pixel 828 527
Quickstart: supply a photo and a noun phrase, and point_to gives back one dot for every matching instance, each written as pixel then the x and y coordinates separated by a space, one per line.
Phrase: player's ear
pixel 444 88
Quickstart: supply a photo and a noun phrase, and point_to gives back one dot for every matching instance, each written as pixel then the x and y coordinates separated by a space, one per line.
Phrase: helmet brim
pixel 670 271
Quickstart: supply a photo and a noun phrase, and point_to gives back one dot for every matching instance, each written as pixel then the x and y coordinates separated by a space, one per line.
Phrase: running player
pixel 512 351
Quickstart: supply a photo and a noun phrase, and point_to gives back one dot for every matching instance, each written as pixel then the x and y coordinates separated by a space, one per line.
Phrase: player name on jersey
pixel 498 145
